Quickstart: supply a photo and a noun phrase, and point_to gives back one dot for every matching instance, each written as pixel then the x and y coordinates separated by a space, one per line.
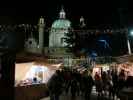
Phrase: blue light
pixel 102 40
pixel 105 43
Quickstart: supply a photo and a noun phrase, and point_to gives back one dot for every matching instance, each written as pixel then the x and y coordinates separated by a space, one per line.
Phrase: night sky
pixel 97 14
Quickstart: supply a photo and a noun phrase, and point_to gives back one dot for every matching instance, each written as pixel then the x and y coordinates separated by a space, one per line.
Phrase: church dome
pixel 61 23
pixel 59 28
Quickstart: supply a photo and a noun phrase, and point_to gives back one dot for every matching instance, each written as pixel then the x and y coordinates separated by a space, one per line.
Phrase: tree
pixel 70 39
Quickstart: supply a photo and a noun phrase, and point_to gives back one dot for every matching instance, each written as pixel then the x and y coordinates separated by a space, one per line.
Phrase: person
pixel 67 78
pixel 121 79
pixel 88 83
pixel 98 84
pixel 55 86
pixel 78 78
pixel 74 87
pixel 105 82
pixel 35 81
pixel 115 82
pixel 111 89
pixel 129 81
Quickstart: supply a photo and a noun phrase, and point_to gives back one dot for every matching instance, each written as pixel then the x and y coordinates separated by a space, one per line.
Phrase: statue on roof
pixel 82 22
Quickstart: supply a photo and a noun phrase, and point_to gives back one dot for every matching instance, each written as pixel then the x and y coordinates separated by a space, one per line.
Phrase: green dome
pixel 61 23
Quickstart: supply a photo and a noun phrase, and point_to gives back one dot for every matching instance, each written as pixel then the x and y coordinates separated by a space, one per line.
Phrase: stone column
pixel 41 34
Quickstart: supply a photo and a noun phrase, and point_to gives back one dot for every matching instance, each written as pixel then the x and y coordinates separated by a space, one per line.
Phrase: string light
pixel 86 31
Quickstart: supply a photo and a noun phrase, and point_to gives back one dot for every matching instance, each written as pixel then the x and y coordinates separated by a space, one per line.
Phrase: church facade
pixel 33 45
pixel 57 35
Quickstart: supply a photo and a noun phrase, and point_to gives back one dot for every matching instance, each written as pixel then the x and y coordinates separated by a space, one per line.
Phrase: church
pixel 57 35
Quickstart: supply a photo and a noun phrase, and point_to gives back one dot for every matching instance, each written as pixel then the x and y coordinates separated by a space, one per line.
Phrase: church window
pixel 62 40
pixel 30 42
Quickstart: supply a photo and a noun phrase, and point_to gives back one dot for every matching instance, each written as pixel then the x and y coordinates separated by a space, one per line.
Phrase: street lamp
pixel 131 33
pixel 128 42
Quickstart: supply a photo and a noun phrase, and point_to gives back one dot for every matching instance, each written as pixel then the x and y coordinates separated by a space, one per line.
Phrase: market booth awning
pixel 124 58
pixel 125 63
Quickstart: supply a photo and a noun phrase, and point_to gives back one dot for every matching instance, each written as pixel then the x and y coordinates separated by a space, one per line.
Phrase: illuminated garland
pixel 30 27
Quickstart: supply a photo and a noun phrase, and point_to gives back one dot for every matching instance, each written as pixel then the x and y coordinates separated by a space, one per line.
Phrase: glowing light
pixel 105 68
pixel 35 68
pixel 131 33
pixel 57 65
pixel 25 72
pixel 102 40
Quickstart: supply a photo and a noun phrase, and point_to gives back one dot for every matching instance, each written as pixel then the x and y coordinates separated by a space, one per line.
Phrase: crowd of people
pixel 108 83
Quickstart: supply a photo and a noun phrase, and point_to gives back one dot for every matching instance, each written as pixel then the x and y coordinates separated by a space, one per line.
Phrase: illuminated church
pixel 57 35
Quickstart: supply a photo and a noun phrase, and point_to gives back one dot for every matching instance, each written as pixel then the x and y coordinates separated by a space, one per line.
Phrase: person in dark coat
pixel 74 88
pixel 121 81
pixel 98 84
pixel 88 84
pixel 55 86
pixel 115 82
pixel 105 82
pixel 67 78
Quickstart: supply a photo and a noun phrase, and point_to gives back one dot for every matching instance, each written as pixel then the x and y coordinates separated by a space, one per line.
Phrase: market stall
pixel 25 73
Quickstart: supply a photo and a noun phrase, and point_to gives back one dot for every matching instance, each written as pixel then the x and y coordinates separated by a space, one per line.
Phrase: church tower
pixel 62 14
pixel 41 26
pixel 31 44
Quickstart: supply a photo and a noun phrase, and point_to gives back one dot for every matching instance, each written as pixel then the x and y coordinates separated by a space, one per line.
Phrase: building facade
pixel 34 45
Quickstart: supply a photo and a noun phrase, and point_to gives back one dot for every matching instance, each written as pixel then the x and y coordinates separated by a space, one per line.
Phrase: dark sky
pixel 96 12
